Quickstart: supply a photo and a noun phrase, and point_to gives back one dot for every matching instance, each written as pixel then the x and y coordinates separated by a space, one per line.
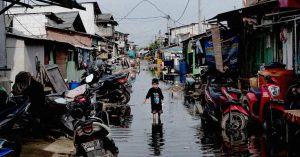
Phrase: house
pixel 122 41
pixel 97 23
pixel 23 52
pixel 4 68
pixel 178 34
pixel 61 27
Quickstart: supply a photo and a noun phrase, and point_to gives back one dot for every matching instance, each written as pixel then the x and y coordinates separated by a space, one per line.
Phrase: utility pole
pixel 3 60
pixel 199 18
pixel 168 30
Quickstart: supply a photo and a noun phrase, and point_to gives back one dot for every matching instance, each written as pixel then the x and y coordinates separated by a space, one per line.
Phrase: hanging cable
pixel 132 9
pixel 187 4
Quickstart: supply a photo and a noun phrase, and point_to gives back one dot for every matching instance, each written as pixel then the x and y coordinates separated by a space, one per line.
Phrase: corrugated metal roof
pixel 70 21
pixel 106 18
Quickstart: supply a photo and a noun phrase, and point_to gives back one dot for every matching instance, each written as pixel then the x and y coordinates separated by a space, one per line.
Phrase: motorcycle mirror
pixel 60 101
pixel 89 78
pixel 85 66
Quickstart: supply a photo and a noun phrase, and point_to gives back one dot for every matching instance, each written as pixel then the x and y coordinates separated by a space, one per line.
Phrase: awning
pixel 173 50
pixel 84 47
pixel 259 9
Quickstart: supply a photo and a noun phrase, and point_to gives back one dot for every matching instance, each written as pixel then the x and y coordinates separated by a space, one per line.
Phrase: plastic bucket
pixel 73 85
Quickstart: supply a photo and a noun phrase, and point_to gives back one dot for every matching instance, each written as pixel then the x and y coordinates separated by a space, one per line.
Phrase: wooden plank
pixel 216 37
pixel 56 78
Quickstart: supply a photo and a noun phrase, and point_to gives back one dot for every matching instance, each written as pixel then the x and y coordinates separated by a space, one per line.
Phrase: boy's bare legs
pixel 159 121
pixel 154 118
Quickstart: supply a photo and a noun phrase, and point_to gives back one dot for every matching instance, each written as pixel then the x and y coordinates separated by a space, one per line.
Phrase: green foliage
pixel 154 46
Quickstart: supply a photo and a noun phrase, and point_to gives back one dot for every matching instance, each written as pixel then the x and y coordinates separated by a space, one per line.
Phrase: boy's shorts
pixel 156 109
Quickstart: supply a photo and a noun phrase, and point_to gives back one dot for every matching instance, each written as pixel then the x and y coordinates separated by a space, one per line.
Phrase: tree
pixel 154 46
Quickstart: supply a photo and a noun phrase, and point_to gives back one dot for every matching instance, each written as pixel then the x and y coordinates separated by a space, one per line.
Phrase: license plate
pixel 92 145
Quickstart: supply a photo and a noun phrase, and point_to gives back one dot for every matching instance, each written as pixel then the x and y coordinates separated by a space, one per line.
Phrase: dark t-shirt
pixel 156 96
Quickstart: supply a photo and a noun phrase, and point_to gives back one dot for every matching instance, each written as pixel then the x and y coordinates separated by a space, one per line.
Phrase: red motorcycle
pixel 266 104
pixel 223 105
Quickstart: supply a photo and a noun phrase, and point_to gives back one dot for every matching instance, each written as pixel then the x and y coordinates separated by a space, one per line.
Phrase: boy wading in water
pixel 156 100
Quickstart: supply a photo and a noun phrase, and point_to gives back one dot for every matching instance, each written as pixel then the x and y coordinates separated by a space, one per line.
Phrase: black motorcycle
pixel 92 136
pixel 114 86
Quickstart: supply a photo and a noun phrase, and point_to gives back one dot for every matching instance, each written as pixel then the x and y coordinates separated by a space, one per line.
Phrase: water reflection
pixel 156 139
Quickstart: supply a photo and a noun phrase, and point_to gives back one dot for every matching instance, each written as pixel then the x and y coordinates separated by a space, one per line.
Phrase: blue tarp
pixel 132 54
pixel 230 51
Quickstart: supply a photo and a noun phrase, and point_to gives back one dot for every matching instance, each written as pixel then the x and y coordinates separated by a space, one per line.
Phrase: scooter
pixel 266 105
pixel 223 105
pixel 92 137
pixel 13 111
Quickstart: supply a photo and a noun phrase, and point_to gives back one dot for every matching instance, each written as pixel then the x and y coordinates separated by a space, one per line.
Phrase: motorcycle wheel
pixel 125 97
pixel 238 121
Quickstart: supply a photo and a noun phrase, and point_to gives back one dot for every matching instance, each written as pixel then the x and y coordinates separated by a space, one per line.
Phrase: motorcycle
pixel 92 136
pixel 8 148
pixel 293 97
pixel 58 107
pixel 223 105
pixel 113 85
pixel 266 105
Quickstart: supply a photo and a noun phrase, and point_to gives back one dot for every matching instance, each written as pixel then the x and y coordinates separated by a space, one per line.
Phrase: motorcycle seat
pixel 256 91
pixel 235 91
pixel 215 92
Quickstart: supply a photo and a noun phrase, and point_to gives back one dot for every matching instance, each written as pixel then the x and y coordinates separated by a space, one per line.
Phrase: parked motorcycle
pixel 223 105
pixel 266 104
pixel 13 116
pixel 113 85
pixel 8 148
pixel 293 97
pixel 92 136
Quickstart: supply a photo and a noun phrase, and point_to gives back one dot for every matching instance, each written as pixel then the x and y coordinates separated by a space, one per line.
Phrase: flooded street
pixel 180 135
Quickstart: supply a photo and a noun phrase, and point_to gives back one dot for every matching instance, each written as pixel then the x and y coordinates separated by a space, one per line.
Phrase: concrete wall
pixel 15 56
pixel 105 32
pixel 30 53
pixel 191 29
pixel 21 56
pixel 30 24
pixel 87 16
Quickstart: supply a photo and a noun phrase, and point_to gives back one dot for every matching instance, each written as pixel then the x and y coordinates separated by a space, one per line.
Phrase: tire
pixel 238 123
pixel 126 97
pixel 127 111
pixel 234 138
pixel 105 118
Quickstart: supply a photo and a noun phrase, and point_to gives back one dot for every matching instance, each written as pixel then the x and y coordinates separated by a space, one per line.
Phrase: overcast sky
pixel 142 31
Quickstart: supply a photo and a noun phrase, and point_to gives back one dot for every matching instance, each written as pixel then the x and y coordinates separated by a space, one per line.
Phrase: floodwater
pixel 181 133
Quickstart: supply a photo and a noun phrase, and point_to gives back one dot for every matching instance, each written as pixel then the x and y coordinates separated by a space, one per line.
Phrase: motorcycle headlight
pixel 274 90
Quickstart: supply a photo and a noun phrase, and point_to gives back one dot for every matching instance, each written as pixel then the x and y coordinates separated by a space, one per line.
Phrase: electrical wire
pixel 158 9
pixel 23 25
pixel 187 4
pixel 137 18
pixel 132 10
